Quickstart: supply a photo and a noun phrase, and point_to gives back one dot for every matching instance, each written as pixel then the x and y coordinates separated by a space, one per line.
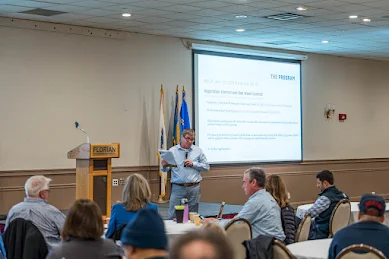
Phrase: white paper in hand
pixel 168 157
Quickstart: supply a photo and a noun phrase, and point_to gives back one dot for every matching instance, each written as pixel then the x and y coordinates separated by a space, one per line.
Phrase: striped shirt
pixel 182 174
pixel 48 219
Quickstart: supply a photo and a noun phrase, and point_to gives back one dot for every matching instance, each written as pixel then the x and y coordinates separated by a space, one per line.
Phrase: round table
pixel 174 229
pixel 354 212
pixel 311 249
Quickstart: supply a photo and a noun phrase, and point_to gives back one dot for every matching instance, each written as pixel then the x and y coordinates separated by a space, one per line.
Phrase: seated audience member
pixel 202 244
pixel 261 210
pixel 145 237
pixel 369 230
pixel 324 205
pixel 48 219
pixel 213 227
pixel 82 235
pixel 276 187
pixel 2 249
pixel 136 195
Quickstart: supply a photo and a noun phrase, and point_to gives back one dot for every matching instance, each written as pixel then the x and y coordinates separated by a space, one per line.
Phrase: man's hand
pixel 188 163
pixel 208 220
pixel 164 163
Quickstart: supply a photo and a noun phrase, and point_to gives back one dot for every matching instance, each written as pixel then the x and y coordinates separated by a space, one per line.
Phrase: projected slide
pixel 247 110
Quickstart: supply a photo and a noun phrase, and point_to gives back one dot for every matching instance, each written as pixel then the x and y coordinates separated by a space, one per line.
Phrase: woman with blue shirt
pixel 136 195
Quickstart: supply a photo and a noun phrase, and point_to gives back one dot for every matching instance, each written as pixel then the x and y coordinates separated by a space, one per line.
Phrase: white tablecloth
pixel 354 211
pixel 174 228
pixel 312 249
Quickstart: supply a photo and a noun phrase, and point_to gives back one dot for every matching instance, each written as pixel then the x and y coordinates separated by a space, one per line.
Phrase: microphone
pixel 86 134
pixel 186 156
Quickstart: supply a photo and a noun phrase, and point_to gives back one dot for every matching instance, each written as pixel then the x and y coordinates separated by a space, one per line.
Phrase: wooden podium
pixel 93 173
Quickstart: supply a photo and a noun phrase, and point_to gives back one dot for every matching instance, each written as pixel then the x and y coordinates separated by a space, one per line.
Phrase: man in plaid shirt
pixel 324 205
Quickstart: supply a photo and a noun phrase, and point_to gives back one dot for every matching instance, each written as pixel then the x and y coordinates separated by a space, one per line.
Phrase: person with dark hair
pixel 369 230
pixel 186 176
pixel 261 210
pixel 202 244
pixel 145 237
pixel 324 205
pixel 277 188
pixel 82 235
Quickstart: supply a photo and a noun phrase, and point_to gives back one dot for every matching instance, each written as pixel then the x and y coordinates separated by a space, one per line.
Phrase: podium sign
pixel 105 150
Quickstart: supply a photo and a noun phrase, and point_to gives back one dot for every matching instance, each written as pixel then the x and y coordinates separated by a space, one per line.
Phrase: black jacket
pixel 322 221
pixel 289 224
pixel 23 240
pixel 259 248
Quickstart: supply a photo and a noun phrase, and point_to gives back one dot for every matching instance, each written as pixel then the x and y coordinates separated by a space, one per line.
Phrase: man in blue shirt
pixel 369 230
pixel 186 176
pixel 261 210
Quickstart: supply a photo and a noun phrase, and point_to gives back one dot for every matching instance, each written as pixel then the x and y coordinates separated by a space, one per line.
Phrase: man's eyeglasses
pixel 189 139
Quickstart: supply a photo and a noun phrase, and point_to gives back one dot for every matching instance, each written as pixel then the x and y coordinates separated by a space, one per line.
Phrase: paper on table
pixel 168 157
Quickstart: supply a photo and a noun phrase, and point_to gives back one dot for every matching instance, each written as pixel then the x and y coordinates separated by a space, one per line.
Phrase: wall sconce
pixel 329 111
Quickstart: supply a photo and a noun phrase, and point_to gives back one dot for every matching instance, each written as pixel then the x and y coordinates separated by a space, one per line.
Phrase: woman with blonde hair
pixel 277 188
pixel 136 195
pixel 82 234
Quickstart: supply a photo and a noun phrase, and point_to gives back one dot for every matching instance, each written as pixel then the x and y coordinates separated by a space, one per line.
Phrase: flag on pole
pixel 184 114
pixel 176 125
pixel 162 142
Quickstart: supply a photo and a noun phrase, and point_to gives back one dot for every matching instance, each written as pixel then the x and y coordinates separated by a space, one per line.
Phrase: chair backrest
pixel 118 232
pixel 23 235
pixel 238 230
pixel 303 229
pixel 369 252
pixel 340 216
pixel 280 251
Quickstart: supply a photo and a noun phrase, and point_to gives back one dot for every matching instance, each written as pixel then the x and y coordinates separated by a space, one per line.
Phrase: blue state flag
pixel 185 121
pixel 177 124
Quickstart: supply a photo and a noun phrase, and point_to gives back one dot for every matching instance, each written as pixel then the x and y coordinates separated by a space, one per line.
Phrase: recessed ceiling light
pixel 241 16
pixel 353 16
pixel 300 8
pixel 240 30
pixel 126 14
pixel 324 41
pixel 366 20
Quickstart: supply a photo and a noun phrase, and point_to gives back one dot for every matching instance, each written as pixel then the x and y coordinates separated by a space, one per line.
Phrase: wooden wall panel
pixel 221 183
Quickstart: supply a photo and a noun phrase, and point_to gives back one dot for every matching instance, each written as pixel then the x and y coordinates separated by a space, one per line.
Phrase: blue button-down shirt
pixel 264 215
pixel 47 218
pixel 181 174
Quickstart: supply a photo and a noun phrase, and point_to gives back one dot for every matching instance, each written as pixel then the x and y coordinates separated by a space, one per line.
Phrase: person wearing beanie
pixel 369 230
pixel 145 237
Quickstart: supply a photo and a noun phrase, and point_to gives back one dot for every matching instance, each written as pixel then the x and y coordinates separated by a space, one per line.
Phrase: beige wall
pixel 49 80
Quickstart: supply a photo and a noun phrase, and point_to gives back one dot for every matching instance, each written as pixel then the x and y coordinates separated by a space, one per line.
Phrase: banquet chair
pixel 340 216
pixel 303 229
pixel 280 251
pixel 238 230
pixel 369 252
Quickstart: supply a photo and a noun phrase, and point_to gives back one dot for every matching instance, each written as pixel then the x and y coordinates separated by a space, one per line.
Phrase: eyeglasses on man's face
pixel 189 138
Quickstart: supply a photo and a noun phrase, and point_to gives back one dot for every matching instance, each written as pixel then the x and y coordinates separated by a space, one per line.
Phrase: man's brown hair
pixel 84 221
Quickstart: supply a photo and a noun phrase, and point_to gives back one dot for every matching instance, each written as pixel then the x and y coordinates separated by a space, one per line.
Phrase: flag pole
pixel 162 181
